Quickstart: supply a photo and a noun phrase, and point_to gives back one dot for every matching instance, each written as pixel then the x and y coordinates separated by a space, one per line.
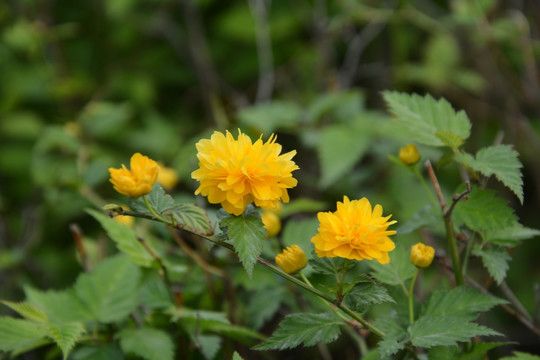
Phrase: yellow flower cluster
pixel 354 231
pixel 292 259
pixel 235 173
pixel 422 255
pixel 137 181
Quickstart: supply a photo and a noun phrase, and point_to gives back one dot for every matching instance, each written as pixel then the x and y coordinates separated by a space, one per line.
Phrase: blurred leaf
pixel 209 345
pixel 302 205
pixel 501 161
pixel 108 351
pixel 518 355
pixel 148 343
pixel 125 239
pixel 248 236
pixel 483 211
pixel 19 335
pixel 429 331
pixel 423 118
pixel 479 350
pixel 154 295
pixel 105 120
pixel 27 310
pixel 235 332
pixel 495 260
pixel 340 147
pixel 110 290
pixel 259 309
pixel 203 318
pixel 366 293
pixel 306 329
pixel 397 271
pixel 511 236
pixel 445 352
pixel 65 335
pixel 343 104
pixel 21 126
pixel 266 118
pixel 427 216
pixel 60 306
pixel 300 232
pixel 236 356
pixel 462 303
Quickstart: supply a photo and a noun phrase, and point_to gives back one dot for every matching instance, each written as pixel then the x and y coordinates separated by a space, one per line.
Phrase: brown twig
pixel 436 186
pixel 76 232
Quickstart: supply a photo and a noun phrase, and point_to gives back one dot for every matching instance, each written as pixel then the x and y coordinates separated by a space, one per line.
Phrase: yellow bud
pixel 422 255
pixel 409 154
pixel 167 177
pixel 271 223
pixel 292 259
pixel 125 220
pixel 137 181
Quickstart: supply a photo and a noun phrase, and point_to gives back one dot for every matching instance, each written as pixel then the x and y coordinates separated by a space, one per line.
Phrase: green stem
pixel 424 185
pixel 153 212
pixel 452 243
pixel 411 296
pixel 468 250
pixel 339 295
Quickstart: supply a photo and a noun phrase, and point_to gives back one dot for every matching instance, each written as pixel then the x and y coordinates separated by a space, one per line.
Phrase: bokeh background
pixel 84 84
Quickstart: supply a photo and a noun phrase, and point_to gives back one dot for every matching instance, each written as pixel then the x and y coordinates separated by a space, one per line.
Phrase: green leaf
pixel 148 343
pixel 511 236
pixel 430 331
pixel 300 232
pixel 110 291
pixel 307 329
pixel 235 332
pixel 429 121
pixel 483 211
pixel 260 310
pixel 103 119
pixel 339 148
pixel 17 334
pixel 154 295
pixel 209 345
pixel 330 266
pixel 125 239
pixel 236 356
pixel 445 352
pixel 366 293
pixel 248 236
pixel 427 216
pixel 460 302
pixel 339 105
pixel 495 261
pixel 27 310
pixel 202 317
pixel 479 350
pixel 188 216
pixel 518 355
pixel 65 335
pixel 109 352
pixel 268 117
pixel 60 306
pixel 396 336
pixel 501 161
pixel 397 270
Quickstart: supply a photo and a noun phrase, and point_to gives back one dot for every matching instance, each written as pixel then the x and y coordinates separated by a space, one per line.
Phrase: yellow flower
pixel 292 259
pixel 167 177
pixel 235 173
pixel 137 181
pixel 422 255
pixel 354 231
pixel 271 223
pixel 409 154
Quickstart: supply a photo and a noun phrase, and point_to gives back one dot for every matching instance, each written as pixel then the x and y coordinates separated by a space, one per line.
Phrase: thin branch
pixel 436 186
pixel 264 50
pixel 457 198
pixel 76 232
pixel 515 301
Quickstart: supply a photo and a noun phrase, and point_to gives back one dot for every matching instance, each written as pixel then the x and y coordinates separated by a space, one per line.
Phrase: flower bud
pixel 409 154
pixel 271 223
pixel 137 181
pixel 167 177
pixel 292 259
pixel 422 255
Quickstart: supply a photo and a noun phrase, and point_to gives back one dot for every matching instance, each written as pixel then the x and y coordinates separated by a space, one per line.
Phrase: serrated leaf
pixel 339 148
pixel 191 217
pixel 110 291
pixel 479 350
pixel 428 121
pixel 148 343
pixel 460 302
pixel 65 335
pixel 495 261
pixel 511 236
pixel 366 293
pixel 501 161
pixel 427 216
pixel 430 331
pixel 483 211
pixel 27 310
pixel 60 306
pixel 18 334
pixel 158 200
pixel 397 270
pixel 396 335
pixel 109 352
pixel 306 329
pixel 259 309
pixel 248 236
pixel 154 295
pixel 125 239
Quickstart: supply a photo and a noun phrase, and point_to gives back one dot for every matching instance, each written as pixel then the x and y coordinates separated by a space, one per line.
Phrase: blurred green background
pixel 87 83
